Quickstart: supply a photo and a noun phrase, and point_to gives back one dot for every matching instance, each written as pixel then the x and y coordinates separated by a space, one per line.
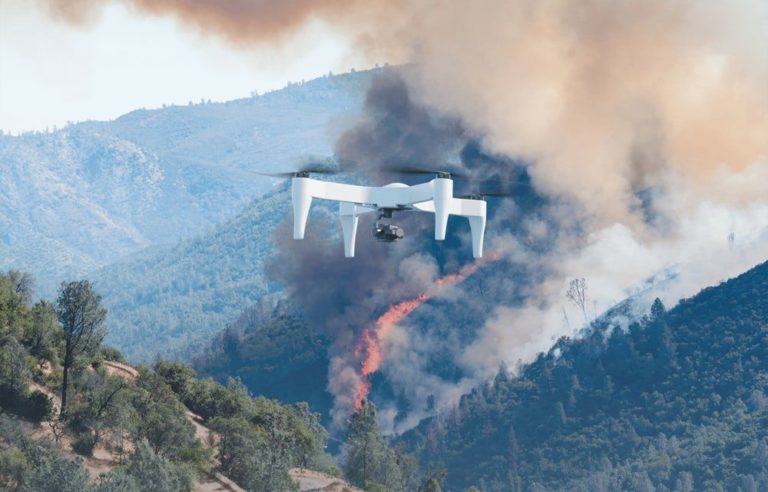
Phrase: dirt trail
pixel 122 370
pixel 212 482
pixel 314 481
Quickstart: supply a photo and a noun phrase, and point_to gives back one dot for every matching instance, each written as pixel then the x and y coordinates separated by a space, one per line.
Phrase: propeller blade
pixel 272 175
pixel 318 168
pixel 423 171
pixel 496 193
pixel 291 174
pixel 486 194
pixel 315 170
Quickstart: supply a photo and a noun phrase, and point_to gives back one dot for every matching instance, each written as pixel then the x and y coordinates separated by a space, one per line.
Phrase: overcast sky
pixel 51 72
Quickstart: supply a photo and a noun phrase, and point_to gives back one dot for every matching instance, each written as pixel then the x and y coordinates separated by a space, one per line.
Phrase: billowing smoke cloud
pixel 605 98
pixel 397 132
pixel 244 22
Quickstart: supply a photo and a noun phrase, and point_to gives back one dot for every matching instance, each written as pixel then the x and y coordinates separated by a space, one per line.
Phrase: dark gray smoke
pixel 396 132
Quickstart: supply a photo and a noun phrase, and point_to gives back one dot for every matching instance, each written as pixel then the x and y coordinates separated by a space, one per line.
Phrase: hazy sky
pixel 51 72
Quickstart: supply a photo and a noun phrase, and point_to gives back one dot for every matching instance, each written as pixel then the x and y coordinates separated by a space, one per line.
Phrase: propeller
pixel 482 195
pixel 304 170
pixel 422 171
pixel 509 191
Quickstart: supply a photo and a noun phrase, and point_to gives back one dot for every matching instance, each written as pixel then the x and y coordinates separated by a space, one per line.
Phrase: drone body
pixel 435 196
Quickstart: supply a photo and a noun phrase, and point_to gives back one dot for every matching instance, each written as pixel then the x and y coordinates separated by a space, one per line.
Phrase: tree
pixel 155 473
pixel 103 406
pixel 82 317
pixel 40 335
pixel 117 480
pixel 253 456
pixel 434 481
pixel 658 311
pixel 54 473
pixel 577 293
pixel 15 292
pixel 370 459
pixel 22 284
pixel 13 367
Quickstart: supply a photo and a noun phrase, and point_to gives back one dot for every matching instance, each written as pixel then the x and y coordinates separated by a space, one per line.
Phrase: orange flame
pixel 368 347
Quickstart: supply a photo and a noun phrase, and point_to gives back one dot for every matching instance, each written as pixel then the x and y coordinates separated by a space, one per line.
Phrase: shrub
pixel 13 467
pixel 10 398
pixel 84 443
pixel 156 473
pixel 37 407
pixel 117 480
pixel 113 354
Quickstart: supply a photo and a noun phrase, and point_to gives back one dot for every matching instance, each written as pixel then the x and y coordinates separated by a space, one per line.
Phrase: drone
pixel 435 196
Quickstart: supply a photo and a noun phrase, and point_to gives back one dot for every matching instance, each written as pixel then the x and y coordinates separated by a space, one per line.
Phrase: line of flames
pixel 368 348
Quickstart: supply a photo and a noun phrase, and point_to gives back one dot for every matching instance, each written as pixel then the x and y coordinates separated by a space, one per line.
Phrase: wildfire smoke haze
pixel 642 127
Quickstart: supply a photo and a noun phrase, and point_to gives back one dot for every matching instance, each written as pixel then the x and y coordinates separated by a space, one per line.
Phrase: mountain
pixel 675 401
pixel 170 300
pixel 79 198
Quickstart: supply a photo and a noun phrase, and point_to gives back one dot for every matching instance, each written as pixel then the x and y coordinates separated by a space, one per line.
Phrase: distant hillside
pixel 171 301
pixel 85 196
pixel 168 300
pixel 274 352
pixel 677 401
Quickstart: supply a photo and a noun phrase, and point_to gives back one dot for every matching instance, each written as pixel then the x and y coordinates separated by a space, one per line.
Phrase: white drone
pixel 435 196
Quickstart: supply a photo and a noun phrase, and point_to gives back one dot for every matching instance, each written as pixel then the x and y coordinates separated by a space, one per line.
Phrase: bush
pixel 210 399
pixel 156 473
pixel 10 398
pixel 84 443
pixel 53 473
pixel 179 376
pixel 112 354
pixel 13 467
pixel 37 407
pixel 117 480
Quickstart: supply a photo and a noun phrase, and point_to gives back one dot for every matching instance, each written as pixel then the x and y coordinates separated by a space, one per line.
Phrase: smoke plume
pixel 605 99
pixel 244 23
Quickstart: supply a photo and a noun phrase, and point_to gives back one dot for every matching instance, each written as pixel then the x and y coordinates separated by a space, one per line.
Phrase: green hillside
pixel 74 417
pixel 274 352
pixel 677 401
pixel 167 301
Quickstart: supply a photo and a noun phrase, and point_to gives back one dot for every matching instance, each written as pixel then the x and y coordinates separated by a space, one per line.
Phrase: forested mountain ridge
pixel 274 352
pixel 79 198
pixel 676 401
pixel 169 301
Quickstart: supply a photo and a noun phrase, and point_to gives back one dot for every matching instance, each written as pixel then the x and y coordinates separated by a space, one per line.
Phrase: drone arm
pixel 349 228
pixel 477 226
pixel 348 215
pixel 302 199
pixel 475 211
pixel 443 196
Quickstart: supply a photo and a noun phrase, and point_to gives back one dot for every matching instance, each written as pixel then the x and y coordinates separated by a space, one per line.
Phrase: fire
pixel 369 347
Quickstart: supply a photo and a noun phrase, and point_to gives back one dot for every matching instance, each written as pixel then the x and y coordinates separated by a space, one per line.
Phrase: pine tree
pixel 82 319
pixel 370 460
